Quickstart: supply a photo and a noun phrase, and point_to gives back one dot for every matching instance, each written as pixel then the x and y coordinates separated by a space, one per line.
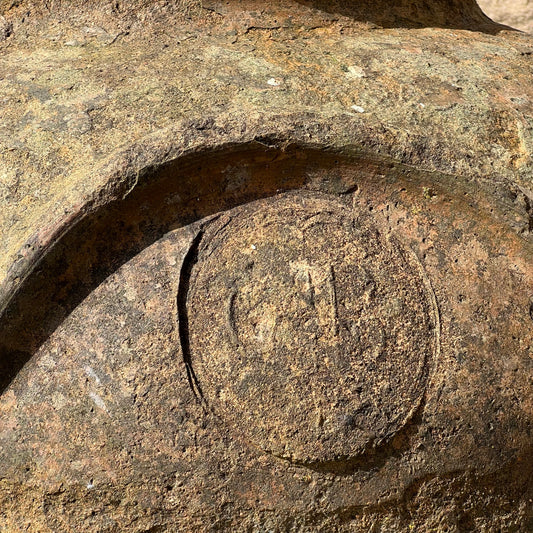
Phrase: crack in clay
pixel 183 318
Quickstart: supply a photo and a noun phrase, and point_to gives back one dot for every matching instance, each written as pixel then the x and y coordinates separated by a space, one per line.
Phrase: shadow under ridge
pixel 452 14
pixel 169 197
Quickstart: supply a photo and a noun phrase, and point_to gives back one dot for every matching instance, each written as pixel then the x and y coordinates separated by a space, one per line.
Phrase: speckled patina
pixel 159 165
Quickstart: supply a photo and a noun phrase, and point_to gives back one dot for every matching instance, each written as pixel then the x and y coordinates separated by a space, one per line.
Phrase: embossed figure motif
pixel 309 330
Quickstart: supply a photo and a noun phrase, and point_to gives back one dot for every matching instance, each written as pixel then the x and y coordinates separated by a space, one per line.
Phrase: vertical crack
pixel 183 317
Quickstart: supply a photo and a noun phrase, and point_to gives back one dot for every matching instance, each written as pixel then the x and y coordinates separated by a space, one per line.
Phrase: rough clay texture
pixel 515 13
pixel 265 267
pixel 325 329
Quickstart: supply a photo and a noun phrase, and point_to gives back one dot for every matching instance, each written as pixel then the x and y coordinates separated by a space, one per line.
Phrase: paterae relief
pixel 309 331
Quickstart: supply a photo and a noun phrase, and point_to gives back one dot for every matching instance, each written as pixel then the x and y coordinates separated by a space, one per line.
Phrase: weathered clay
pixel 5 29
pixel 323 330
pixel 265 267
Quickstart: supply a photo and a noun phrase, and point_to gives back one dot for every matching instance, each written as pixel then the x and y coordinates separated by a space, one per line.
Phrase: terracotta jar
pixel 266 266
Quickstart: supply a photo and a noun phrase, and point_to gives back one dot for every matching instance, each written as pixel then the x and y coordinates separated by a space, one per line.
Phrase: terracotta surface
pixel 265 268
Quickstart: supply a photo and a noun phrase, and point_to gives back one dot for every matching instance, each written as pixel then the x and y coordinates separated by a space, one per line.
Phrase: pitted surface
pixel 320 328
pixel 126 127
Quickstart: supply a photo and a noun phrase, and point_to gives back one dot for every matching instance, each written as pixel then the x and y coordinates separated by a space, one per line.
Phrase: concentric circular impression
pixel 309 333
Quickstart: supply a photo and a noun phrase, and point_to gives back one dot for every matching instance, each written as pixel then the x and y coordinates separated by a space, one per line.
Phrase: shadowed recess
pixel 457 14
pixel 169 197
